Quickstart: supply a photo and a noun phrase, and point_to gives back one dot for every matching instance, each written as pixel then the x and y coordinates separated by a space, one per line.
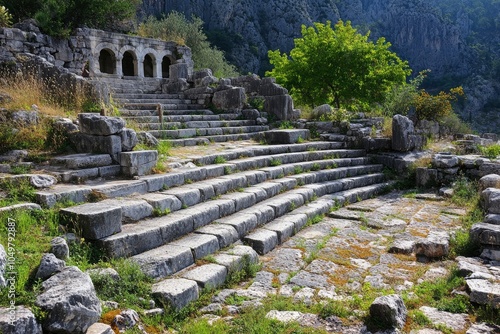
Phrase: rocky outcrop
pixel 70 300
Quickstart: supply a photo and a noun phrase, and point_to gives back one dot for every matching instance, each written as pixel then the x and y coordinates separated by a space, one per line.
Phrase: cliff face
pixel 415 29
pixel 440 35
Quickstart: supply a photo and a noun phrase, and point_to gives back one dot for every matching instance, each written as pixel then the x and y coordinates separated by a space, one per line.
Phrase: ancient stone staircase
pixel 182 121
pixel 260 197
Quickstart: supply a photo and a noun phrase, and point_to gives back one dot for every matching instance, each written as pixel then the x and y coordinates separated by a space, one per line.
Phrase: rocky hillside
pixel 442 36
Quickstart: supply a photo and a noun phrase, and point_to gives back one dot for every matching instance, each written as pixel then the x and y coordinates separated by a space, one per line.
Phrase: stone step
pixel 194 132
pixel 182 118
pixel 152 183
pixel 136 113
pixel 263 227
pixel 195 124
pixel 127 97
pixel 124 102
pixel 205 140
pixel 82 160
pixel 151 233
pixel 184 105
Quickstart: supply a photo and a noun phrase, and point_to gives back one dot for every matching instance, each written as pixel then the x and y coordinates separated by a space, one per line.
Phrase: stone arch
pixel 149 65
pixel 107 61
pixel 106 64
pixel 129 63
pixel 166 61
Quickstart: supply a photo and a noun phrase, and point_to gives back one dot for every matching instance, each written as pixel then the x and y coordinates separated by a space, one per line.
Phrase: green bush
pixel 61 17
pixel 5 17
pixel 491 152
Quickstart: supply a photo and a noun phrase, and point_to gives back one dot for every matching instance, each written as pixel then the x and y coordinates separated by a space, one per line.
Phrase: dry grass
pixel 29 90
pixel 387 127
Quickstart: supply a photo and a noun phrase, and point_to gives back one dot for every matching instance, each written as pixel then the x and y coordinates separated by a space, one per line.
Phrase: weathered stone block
pixel 83 160
pixel 95 124
pixel 263 241
pixel 286 136
pixel 94 220
pixel 402 130
pixel 18 321
pixel 138 163
pixel 178 71
pixel 280 106
pixel 426 177
pixel 230 99
pixel 177 292
pixel 85 143
pixel 129 139
pixel 208 275
pixel 389 311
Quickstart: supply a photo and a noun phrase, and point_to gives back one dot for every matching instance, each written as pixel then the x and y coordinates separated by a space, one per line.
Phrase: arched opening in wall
pixel 165 64
pixel 107 62
pixel 128 66
pixel 149 66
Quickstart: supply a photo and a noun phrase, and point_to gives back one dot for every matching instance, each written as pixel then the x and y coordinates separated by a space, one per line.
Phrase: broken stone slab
pixel 484 292
pixel 486 234
pixel 18 320
pixel 138 163
pixel 445 161
pixel 402 246
pixel 286 136
pixel 21 206
pixel 263 241
pixel 304 319
pixel 95 124
pixel 247 252
pixel 389 311
pixel 436 245
pixel 233 263
pixel 456 322
pixel 100 328
pixel 176 292
pixel 467 265
pixel 94 220
pixel 209 276
pixel 311 280
pixel 233 98
pixel 82 160
pixel 60 292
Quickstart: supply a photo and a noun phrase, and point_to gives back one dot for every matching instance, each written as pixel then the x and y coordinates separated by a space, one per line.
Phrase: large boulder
pixel 402 134
pixel 129 139
pixel 70 302
pixel 489 181
pixel 59 247
pixel 18 320
pixel 490 198
pixel 389 312
pixel 95 124
pixel 281 106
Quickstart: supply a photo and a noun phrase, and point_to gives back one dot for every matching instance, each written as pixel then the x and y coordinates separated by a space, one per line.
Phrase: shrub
pixel 436 107
pixel 491 152
pixel 5 17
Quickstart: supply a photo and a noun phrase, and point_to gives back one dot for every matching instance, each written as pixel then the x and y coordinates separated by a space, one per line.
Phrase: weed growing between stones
pixel 18 191
pixel 219 159
pixel 157 212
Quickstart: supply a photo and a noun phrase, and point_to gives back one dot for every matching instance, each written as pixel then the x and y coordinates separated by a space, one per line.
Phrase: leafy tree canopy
pixel 61 17
pixel 338 66
pixel 176 27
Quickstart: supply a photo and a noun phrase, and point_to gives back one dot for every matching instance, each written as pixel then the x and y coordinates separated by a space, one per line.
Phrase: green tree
pixel 338 66
pixel 176 27
pixel 436 107
pixel 61 17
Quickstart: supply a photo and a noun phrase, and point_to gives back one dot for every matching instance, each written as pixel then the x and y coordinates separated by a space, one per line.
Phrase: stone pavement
pixel 335 259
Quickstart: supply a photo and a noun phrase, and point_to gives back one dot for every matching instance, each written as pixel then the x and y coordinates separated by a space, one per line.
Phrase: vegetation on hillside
pixel 5 17
pixel 176 27
pixel 338 66
pixel 61 17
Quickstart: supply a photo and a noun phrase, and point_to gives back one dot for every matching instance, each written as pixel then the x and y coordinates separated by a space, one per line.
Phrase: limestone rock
pixel 100 328
pixel 490 198
pixel 230 99
pixel 281 106
pixel 286 136
pixel 402 130
pixel 19 320
pixel 42 180
pixel 129 139
pixel 486 234
pixel 70 301
pixel 436 245
pixel 489 181
pixel 483 328
pixel 445 161
pixel 126 320
pixel 49 265
pixel 147 139
pixel 390 311
pixel 95 124
pixel 457 322
pixel 484 292
pixel 322 110
pixel 138 163
pixel 3 263
pixel 14 156
pixel 59 247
